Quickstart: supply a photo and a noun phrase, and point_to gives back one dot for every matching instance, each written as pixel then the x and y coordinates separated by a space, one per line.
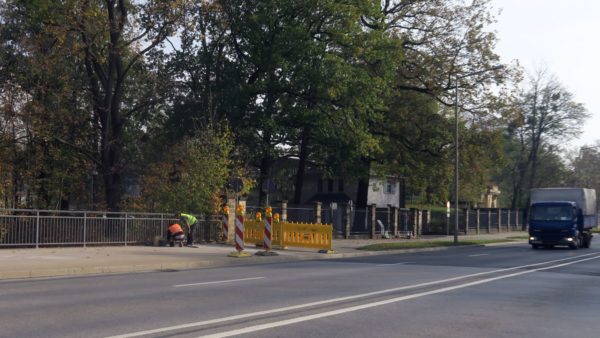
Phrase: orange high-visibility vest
pixel 175 228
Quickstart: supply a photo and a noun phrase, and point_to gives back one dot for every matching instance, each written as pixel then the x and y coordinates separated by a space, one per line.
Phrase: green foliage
pixel 44 121
pixel 584 168
pixel 417 141
pixel 481 157
pixel 192 174
pixel 351 87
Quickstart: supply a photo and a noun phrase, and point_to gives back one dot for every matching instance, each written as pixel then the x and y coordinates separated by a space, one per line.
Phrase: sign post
pixel 448 218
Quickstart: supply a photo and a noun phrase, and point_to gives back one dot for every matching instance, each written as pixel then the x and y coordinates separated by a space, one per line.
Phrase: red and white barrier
pixel 239 232
pixel 267 241
pixel 225 227
pixel 268 234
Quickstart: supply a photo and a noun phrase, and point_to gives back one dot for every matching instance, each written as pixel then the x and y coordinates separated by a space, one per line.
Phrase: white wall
pixel 380 195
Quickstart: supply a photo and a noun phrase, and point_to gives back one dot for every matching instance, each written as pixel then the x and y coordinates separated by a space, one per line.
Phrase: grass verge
pixel 518 237
pixel 428 244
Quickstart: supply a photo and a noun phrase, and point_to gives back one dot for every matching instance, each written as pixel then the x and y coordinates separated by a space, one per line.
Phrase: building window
pixel 320 185
pixel 390 187
pixel 341 185
pixel 330 185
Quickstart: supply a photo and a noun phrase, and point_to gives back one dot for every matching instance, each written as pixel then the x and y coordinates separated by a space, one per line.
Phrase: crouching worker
pixel 175 233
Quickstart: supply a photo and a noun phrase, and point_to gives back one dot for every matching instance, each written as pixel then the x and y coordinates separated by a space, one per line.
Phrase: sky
pixel 562 36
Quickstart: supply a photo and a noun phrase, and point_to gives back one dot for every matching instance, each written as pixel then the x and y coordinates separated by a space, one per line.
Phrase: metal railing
pixel 27 228
pixel 475 221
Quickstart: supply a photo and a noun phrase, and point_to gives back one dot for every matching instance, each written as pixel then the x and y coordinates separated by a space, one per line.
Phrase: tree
pixel 584 168
pixel 292 78
pixel 84 55
pixel 446 48
pixel 416 141
pixel 442 42
pixel 115 36
pixel 190 175
pixel 547 115
pixel 41 109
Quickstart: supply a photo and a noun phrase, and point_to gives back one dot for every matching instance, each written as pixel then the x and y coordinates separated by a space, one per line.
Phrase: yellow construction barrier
pixel 254 232
pixel 304 235
pixel 307 235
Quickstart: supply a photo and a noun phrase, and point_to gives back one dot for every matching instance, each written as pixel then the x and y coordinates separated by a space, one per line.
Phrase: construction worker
pixel 190 223
pixel 175 233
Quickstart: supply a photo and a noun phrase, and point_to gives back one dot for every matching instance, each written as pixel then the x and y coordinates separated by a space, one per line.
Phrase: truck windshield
pixel 551 212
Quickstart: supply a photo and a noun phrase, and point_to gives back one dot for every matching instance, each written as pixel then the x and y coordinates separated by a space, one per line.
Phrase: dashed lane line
pixel 218 282
pixel 400 263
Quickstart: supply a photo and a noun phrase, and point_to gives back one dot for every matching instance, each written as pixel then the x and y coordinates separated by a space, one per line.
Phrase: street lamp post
pixel 456 79
pixel 456 161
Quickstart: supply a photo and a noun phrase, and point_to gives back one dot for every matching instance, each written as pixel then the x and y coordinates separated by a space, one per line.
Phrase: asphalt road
pixel 500 291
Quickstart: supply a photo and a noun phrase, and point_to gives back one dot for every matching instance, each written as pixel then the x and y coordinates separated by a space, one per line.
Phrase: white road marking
pixel 380 303
pixel 394 264
pixel 218 282
pixel 478 255
pixel 328 301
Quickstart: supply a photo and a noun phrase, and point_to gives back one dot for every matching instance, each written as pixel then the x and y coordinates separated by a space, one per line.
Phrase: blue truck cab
pixel 562 216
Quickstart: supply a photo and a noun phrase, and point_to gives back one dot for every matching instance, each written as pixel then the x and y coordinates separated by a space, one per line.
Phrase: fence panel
pixel 333 214
pixel 484 221
pixel 209 230
pixel 437 224
pixel 472 220
pixel 359 220
pixel 405 225
pixel 18 230
pixel 22 227
pixel 301 214
pixel 495 224
pixel 383 215
pixel 503 219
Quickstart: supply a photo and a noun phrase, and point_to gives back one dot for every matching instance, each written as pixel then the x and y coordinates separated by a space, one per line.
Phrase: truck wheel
pixel 534 246
pixel 587 240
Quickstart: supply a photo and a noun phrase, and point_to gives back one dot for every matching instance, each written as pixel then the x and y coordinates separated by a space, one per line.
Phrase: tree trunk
pixel 518 182
pixel 362 193
pixel 301 166
pixel 363 186
pixel 265 172
pixel 106 78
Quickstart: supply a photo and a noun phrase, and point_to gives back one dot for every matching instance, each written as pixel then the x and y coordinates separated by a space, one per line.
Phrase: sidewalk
pixel 77 261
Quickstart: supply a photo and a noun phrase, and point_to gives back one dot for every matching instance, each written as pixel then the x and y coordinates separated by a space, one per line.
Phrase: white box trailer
pixel 585 200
